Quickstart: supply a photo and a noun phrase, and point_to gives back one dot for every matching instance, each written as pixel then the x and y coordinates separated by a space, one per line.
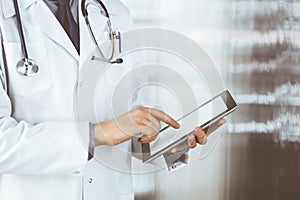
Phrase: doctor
pixel 41 155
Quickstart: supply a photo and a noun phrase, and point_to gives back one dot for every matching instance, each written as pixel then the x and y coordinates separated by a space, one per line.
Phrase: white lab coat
pixel 41 153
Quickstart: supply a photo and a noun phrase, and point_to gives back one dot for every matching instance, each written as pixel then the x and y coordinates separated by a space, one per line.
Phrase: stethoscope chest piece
pixel 27 67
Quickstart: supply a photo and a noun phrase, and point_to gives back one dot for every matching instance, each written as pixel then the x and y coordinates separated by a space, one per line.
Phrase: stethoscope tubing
pixel 27 67
pixel 20 30
pixel 112 36
pixel 85 12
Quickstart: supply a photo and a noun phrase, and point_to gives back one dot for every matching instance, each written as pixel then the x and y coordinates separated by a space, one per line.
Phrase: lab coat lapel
pixel 53 29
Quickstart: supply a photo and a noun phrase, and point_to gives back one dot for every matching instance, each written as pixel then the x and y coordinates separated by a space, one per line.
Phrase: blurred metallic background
pixel 256 47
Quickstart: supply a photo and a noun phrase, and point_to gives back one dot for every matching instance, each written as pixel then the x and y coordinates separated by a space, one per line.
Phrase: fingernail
pixel 141 140
pixel 177 125
pixel 173 151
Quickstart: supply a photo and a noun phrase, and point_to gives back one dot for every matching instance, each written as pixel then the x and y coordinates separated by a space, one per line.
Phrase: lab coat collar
pixel 9 9
pixel 53 29
pixel 47 21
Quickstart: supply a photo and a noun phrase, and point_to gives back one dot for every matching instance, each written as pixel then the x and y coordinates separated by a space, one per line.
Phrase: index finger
pixel 162 116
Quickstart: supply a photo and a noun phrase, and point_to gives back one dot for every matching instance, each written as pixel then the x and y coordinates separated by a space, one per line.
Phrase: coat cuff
pixel 91 142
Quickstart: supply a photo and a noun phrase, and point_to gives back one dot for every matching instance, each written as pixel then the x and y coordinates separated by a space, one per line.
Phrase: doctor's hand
pixel 139 121
pixel 199 137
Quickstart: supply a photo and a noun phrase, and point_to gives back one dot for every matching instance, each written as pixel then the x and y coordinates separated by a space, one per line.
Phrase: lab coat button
pixel 76 172
pixel 91 180
pixel 173 166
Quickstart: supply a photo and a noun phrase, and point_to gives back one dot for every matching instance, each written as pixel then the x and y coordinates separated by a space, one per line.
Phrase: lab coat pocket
pixel 20 85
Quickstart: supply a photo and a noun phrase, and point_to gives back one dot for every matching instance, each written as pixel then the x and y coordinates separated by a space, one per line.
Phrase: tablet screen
pixel 188 122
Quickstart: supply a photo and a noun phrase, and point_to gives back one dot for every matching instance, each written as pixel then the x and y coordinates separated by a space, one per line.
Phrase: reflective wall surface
pixel 264 73
pixel 255 45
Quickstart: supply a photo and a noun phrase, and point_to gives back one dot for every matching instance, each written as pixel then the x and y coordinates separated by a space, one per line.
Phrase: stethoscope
pixel 25 66
pixel 112 35
pixel 28 67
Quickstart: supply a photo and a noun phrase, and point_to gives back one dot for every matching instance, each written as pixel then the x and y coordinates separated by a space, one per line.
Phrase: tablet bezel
pixel 227 98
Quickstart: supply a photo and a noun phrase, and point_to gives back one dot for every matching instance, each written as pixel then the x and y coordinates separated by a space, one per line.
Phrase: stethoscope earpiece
pixel 117 61
pixel 27 67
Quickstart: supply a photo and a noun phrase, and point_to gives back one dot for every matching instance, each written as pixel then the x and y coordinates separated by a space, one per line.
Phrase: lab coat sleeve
pixel 42 149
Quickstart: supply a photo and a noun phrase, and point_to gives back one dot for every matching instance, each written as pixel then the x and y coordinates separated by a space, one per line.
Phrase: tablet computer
pixel 204 115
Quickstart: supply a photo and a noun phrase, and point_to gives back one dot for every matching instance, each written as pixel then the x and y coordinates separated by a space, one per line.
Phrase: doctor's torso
pixel 48 96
